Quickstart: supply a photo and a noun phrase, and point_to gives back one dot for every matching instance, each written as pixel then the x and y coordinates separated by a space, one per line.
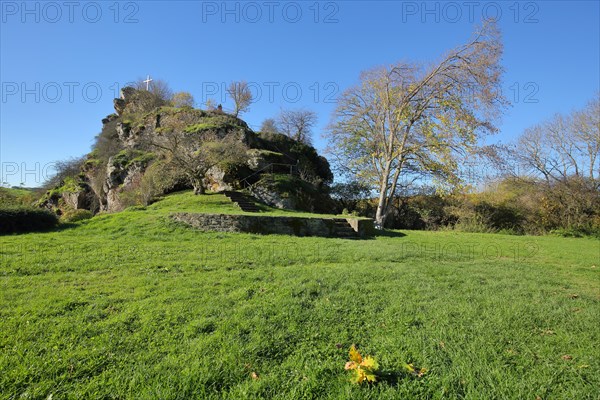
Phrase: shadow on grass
pixel 58 228
pixel 63 226
pixel 388 233
pixel 392 378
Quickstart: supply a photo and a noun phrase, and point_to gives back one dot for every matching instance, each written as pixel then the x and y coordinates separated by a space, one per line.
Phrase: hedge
pixel 26 219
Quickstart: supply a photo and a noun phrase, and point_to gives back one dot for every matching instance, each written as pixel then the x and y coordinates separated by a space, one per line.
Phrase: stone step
pixel 343 229
pixel 246 203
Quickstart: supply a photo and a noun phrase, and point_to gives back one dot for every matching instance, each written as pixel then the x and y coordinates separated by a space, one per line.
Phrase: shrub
pixel 71 215
pixel 26 219
pixel 159 178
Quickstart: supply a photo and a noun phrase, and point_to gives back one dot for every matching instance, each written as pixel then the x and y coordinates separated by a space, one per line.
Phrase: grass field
pixel 131 305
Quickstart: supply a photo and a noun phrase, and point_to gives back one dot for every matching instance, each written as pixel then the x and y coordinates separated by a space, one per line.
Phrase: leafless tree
pixel 562 147
pixel 269 126
pixel 241 95
pixel 158 87
pixel 297 124
pixel 193 154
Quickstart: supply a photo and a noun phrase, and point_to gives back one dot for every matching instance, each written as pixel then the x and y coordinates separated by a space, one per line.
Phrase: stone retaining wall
pixel 296 226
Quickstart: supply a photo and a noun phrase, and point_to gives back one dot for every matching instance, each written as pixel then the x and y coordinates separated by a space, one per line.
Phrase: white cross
pixel 147 82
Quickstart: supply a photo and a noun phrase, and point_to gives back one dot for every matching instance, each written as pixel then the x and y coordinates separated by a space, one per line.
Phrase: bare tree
pixel 241 95
pixel 562 147
pixel 193 154
pixel 413 117
pixel 141 100
pixel 269 126
pixel 297 124
pixel 158 87
pixel 70 168
pixel 585 128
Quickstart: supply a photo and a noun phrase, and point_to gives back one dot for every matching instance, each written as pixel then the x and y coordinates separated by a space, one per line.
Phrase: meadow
pixel 132 305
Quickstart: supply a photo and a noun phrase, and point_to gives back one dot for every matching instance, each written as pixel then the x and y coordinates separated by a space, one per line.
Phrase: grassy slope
pixel 15 196
pixel 218 203
pixel 132 305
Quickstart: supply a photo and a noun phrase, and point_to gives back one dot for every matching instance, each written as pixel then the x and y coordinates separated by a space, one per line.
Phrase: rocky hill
pixel 148 148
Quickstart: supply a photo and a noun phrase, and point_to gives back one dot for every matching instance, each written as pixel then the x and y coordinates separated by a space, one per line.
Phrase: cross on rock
pixel 147 82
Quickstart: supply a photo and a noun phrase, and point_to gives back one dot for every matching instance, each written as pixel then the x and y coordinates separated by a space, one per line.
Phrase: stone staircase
pixel 245 202
pixel 343 229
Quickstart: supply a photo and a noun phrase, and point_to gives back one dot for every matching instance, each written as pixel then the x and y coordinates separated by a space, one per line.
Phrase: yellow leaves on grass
pixel 364 368
pixel 415 371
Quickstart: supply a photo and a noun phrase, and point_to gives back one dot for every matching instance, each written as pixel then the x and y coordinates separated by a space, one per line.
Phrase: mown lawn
pixel 131 305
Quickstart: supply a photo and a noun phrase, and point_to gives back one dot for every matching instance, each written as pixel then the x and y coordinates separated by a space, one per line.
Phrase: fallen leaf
pixel 369 362
pixel 355 355
pixel 255 376
pixel 567 357
pixel 574 296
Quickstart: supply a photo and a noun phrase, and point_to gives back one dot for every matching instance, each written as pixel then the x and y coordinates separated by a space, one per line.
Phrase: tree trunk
pixel 382 204
pixel 198 188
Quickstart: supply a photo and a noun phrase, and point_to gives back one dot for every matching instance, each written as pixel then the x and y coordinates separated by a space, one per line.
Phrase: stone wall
pixel 296 226
pixel 363 227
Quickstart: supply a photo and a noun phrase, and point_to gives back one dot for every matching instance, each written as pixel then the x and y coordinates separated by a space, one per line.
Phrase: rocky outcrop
pixel 120 178
pixel 128 95
pixel 272 197
pixel 142 123
pixel 217 180
pixel 76 200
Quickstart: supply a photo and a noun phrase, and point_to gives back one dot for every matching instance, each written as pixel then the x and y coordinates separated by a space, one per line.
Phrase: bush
pixel 26 219
pixel 71 215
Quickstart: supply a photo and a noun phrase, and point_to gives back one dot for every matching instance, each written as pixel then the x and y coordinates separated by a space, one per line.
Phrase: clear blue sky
pixel 61 63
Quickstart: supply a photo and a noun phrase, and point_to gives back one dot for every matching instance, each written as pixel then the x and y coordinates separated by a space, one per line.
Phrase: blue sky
pixel 61 63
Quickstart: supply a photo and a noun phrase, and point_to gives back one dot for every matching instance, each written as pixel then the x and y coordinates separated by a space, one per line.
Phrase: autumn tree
pixel 419 118
pixel 297 124
pixel 241 95
pixel 183 99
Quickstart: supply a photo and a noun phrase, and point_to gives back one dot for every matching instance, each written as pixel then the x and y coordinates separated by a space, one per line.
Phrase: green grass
pixel 131 305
